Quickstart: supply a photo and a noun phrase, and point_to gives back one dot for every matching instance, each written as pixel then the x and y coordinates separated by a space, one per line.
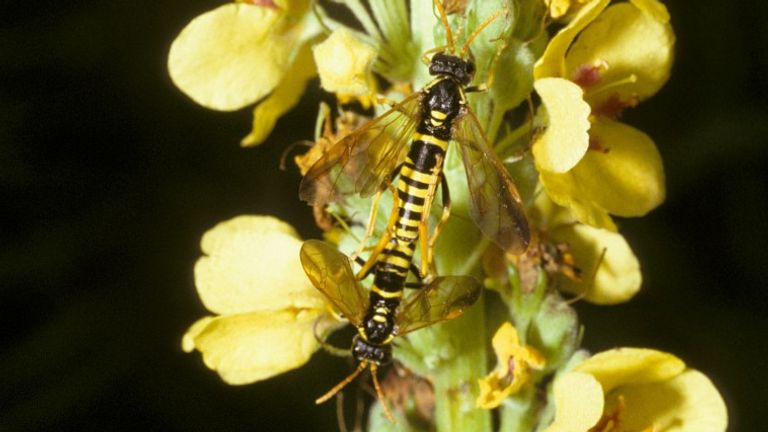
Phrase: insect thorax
pixel 443 100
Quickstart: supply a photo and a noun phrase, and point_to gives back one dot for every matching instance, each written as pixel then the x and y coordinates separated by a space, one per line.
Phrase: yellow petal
pixel 557 8
pixel 230 57
pixel 487 394
pixel 251 263
pixel 625 42
pixel 188 340
pixel 294 9
pixel 491 391
pixel 629 366
pixel 617 278
pixel 688 402
pixel 547 214
pixel 344 63
pixel 565 190
pixel 654 8
pixel 506 345
pixel 285 97
pixel 504 342
pixel 565 140
pixel 628 179
pixel 552 62
pixel 255 346
pixel 499 384
pixel 578 402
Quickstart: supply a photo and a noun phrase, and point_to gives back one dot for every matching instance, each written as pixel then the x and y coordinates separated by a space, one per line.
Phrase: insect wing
pixel 443 299
pixel 330 272
pixel 363 161
pixel 495 207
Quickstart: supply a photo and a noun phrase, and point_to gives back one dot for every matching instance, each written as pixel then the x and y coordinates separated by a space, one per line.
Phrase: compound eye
pixel 470 68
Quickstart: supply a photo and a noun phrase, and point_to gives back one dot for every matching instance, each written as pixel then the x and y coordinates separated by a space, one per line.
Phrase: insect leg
pixel 371 225
pixel 340 413
pixel 424 223
pixel 443 219
pixel 383 100
pixel 385 237
pixel 593 274
pixel 330 349
pixel 360 261
pixel 478 29
pixel 491 70
pixel 415 271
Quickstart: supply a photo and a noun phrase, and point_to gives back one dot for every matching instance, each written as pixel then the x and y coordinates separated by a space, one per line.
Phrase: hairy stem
pixel 455 379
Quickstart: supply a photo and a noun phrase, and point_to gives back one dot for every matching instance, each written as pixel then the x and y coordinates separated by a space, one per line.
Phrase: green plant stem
pixel 455 379
pixel 474 257
pixel 518 413
pixel 503 146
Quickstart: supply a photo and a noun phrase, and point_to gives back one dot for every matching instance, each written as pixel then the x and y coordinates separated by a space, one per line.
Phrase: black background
pixel 109 176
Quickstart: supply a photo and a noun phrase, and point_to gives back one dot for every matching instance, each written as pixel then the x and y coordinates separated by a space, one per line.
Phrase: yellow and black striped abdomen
pixel 418 179
pixel 417 182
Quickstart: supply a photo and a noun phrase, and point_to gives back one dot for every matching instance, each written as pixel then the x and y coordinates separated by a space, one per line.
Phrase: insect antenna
pixel 489 20
pixel 380 394
pixel 444 20
pixel 337 388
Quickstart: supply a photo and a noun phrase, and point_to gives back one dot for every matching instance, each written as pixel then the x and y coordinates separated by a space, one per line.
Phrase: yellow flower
pixel 566 140
pixel 636 389
pixel 610 270
pixel 238 53
pixel 513 368
pixel 558 8
pixel 282 99
pixel 344 63
pixel 604 60
pixel 251 277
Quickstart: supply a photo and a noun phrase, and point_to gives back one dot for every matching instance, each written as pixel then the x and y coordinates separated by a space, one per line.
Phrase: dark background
pixel 109 176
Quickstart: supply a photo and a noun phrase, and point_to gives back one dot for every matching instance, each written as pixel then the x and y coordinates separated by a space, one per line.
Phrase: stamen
pixel 630 79
pixel 613 106
pixel 588 75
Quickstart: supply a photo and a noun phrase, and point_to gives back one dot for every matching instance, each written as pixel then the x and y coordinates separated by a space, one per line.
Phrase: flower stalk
pixel 455 378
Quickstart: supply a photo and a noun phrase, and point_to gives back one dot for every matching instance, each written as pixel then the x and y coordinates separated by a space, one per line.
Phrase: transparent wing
pixel 363 161
pixel 496 207
pixel 443 299
pixel 330 272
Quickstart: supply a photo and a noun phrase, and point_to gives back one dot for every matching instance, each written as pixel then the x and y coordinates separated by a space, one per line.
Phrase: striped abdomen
pixel 417 183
